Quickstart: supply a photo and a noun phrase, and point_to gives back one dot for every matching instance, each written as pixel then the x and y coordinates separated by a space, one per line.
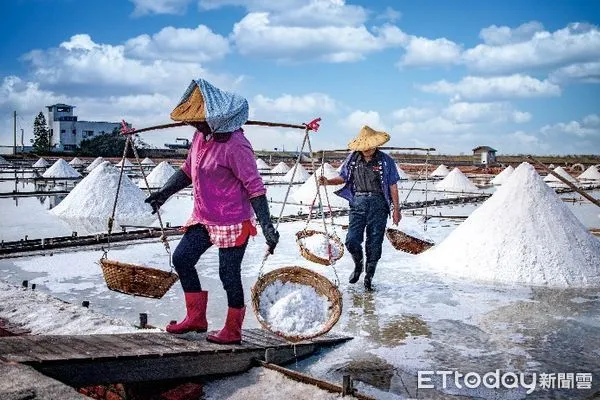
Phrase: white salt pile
pixel 76 162
pixel 93 198
pixel 502 176
pixel 456 181
pixel 280 168
pixel 590 174
pixel 60 169
pixel 148 162
pixel 560 171
pixel 440 172
pixel 126 164
pixel 293 309
pixel 94 164
pixel 159 175
pixel 3 161
pixel 523 234
pixel 403 175
pixel 307 192
pixel 41 163
pixel 300 176
pixel 322 246
pixel 261 165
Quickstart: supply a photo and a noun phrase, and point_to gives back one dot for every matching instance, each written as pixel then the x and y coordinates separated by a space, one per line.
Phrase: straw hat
pixel 368 139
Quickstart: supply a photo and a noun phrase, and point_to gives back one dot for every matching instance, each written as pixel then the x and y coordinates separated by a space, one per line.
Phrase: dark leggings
pixel 193 244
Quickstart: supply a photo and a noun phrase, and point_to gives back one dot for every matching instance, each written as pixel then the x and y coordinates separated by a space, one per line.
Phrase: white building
pixel 67 132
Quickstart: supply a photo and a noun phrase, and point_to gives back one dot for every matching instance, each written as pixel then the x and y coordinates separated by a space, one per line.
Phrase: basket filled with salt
pixel 296 303
pixel 408 243
pixel 319 247
pixel 137 280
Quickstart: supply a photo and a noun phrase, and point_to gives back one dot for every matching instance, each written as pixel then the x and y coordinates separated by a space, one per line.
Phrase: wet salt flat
pixel 417 319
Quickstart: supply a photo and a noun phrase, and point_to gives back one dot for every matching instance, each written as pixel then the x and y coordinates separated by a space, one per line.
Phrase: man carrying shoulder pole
pixel 370 185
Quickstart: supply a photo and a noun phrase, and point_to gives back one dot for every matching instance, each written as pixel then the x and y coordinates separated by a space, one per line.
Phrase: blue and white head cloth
pixel 224 111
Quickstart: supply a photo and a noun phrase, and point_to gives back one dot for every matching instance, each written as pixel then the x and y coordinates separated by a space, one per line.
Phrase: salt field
pixel 421 316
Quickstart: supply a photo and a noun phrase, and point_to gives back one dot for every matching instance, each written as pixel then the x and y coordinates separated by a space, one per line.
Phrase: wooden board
pixel 80 360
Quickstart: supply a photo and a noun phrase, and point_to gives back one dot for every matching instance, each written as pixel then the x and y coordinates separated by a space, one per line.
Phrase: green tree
pixel 108 145
pixel 41 134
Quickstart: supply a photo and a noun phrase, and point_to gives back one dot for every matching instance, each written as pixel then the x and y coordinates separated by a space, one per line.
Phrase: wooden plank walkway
pixel 136 357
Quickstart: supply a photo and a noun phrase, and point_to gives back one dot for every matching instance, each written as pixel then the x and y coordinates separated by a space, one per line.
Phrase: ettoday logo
pixel 506 380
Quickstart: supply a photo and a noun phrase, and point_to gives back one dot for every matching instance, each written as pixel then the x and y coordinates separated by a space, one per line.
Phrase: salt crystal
pixel 590 174
pixel 41 163
pixel 94 164
pixel 148 162
pixel 440 171
pixel 319 245
pixel 280 168
pixel 293 309
pixel 301 175
pixel 502 176
pixel 260 164
pixel 159 175
pixel 60 169
pixel 92 199
pixel 456 181
pixel 560 171
pixel 524 233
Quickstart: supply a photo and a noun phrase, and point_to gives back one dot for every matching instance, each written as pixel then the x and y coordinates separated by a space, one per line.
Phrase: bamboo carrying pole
pixel 256 123
pixel 389 148
pixel 565 181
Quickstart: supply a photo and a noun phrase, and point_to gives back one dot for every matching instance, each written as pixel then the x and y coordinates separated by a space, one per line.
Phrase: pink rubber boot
pixel 195 320
pixel 232 331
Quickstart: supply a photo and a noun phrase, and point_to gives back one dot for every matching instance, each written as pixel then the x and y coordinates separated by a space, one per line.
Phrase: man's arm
pixel 338 180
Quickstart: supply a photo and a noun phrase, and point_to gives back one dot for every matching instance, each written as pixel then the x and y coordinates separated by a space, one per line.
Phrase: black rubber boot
pixel 370 271
pixel 358 269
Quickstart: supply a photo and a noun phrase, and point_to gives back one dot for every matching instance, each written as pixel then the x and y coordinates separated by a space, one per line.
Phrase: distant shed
pixel 484 155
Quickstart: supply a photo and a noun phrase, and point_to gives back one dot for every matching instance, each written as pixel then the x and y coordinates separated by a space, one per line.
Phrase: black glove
pixel 176 182
pixel 261 209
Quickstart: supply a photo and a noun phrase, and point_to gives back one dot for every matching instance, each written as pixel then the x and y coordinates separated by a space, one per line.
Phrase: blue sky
pixel 521 76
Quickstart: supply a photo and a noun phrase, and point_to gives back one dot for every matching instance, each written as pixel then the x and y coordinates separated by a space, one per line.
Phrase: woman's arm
pixel 396 216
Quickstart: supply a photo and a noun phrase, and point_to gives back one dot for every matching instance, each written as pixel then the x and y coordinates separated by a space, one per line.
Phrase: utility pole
pixel 15 132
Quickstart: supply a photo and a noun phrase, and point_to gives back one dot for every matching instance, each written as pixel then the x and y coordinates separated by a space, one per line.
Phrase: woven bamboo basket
pixel 136 279
pixel 407 243
pixel 303 276
pixel 313 257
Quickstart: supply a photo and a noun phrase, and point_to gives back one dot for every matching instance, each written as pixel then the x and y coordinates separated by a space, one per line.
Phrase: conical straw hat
pixel 368 139
pixel 192 109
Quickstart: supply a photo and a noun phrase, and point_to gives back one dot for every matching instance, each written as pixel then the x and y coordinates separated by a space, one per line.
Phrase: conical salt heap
pixel 92 199
pixel 280 168
pixel 300 176
pixel 590 174
pixel 41 163
pixel 560 171
pixel 503 176
pixel 159 175
pixel 523 234
pixel 126 164
pixel 76 162
pixel 403 175
pixel 440 172
pixel 148 162
pixel 3 161
pixel 261 165
pixel 60 169
pixel 456 181
pixel 307 192
pixel 94 164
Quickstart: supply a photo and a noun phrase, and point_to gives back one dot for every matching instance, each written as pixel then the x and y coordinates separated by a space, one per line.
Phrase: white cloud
pixel 501 35
pixel 421 51
pixel 493 112
pixel 98 69
pixel 313 13
pixel 144 7
pixel 179 44
pixel 574 44
pixel 357 119
pixel 524 138
pixel 589 126
pixel 390 14
pixel 308 103
pixel 583 72
pixel 494 88
pixel 413 114
pixel 256 35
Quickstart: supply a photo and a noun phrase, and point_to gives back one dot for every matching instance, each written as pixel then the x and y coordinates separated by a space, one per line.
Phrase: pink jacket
pixel 224 178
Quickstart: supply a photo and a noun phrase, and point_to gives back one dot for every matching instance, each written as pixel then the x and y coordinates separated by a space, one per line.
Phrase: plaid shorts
pixel 224 236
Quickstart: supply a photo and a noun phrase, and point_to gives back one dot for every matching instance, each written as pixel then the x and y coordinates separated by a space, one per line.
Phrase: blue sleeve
pixel 392 171
pixel 345 171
